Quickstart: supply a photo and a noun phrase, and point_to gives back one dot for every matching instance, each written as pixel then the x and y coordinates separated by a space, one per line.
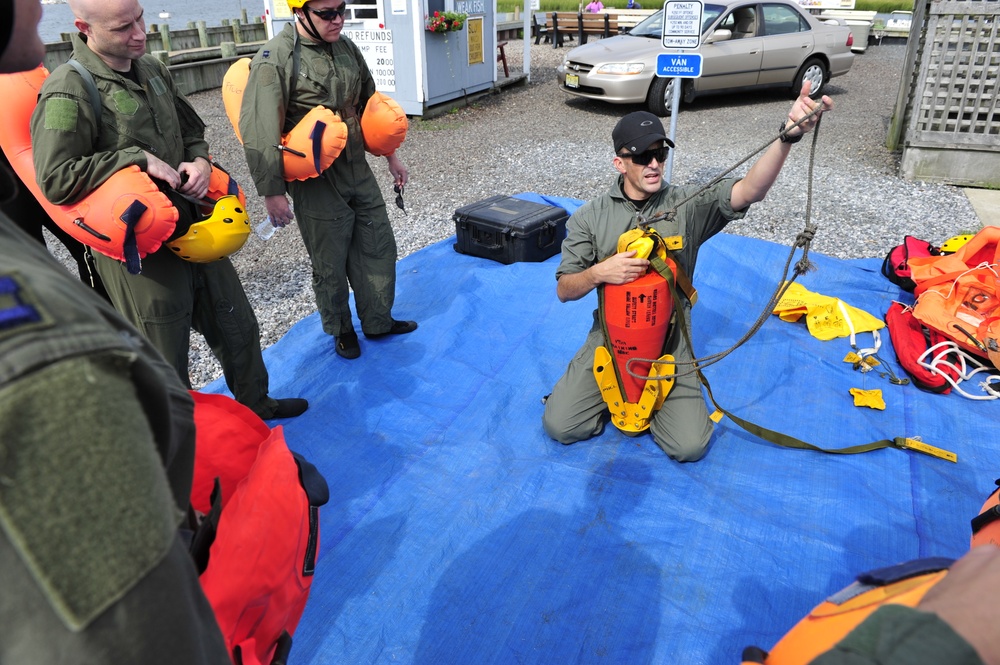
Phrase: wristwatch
pixel 785 138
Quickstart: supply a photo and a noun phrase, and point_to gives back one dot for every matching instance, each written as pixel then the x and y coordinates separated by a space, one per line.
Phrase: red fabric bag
pixel 896 266
pixel 263 556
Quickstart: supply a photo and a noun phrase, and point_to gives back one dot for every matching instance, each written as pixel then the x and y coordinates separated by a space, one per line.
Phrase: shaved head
pixel 115 30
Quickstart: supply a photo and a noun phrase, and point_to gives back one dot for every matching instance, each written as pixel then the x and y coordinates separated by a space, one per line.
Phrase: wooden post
pixel 228 50
pixel 237 31
pixel 203 35
pixel 163 57
pixel 165 36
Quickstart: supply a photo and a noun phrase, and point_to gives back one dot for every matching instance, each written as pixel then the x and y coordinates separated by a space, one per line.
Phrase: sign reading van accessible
pixel 682 23
pixel 678 65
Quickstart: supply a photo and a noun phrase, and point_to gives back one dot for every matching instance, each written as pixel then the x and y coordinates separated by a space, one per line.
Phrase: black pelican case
pixel 509 230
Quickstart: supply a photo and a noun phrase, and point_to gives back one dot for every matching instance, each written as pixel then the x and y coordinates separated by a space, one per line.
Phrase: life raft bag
pixel 896 265
pixel 257 546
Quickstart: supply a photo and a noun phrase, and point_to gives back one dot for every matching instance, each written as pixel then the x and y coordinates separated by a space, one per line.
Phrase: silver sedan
pixel 745 45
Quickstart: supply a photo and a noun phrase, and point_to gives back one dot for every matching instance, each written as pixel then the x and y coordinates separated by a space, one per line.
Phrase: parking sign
pixel 682 23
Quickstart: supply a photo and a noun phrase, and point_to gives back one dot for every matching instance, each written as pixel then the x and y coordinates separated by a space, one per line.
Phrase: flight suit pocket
pixel 375 233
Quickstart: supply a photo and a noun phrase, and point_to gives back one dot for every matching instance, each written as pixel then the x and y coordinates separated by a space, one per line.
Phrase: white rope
pixel 965 367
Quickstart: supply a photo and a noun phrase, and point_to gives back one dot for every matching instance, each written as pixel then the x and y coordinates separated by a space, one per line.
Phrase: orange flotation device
pixel 636 319
pixel 959 294
pixel 309 148
pixel 831 621
pixel 126 218
pixel 383 125
pixel 986 525
pixel 904 584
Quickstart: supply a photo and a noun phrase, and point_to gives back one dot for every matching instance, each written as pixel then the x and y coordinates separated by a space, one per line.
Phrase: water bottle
pixel 265 229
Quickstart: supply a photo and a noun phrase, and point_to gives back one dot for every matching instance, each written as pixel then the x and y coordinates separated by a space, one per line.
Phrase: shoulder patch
pixel 125 102
pixel 266 76
pixel 19 309
pixel 159 87
pixel 265 54
pixel 61 114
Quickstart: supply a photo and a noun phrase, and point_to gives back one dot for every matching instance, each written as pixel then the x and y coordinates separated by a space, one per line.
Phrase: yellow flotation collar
pixel 383 125
pixel 635 319
pixel 126 218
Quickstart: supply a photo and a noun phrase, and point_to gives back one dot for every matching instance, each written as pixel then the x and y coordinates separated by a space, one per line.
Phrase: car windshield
pixel 653 26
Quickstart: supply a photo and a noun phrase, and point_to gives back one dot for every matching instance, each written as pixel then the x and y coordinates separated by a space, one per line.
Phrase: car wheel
pixel 660 97
pixel 814 71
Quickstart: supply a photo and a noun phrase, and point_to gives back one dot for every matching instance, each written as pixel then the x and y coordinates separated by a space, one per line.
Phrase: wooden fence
pixel 947 116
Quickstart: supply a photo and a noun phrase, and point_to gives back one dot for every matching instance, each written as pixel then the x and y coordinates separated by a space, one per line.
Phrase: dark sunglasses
pixel 399 197
pixel 328 14
pixel 644 158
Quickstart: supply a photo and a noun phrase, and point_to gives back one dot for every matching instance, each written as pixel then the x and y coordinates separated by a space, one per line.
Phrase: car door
pixel 788 41
pixel 735 62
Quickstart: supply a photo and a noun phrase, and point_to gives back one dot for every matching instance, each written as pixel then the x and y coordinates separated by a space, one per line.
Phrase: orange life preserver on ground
pixel 126 218
pixel 959 294
pixel 636 318
pixel 383 125
pixel 309 148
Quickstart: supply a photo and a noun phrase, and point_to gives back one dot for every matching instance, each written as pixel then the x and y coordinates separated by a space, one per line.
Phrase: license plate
pixel 572 81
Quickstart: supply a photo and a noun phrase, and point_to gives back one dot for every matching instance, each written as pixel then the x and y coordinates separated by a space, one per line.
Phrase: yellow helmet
pixel 296 4
pixel 217 236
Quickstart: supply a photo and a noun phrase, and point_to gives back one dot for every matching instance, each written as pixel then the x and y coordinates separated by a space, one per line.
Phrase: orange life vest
pixel 126 218
pixel 383 125
pixel 309 148
pixel 959 294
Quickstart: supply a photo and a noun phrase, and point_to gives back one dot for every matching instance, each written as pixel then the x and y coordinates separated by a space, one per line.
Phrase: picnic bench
pixel 556 26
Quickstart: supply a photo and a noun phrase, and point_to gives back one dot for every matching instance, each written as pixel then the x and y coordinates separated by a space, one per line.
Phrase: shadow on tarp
pixel 457 532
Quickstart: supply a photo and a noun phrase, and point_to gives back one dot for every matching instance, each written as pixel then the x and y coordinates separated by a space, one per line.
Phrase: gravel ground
pixel 534 138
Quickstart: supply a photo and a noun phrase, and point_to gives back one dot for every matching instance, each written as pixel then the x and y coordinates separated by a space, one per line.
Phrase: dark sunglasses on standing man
pixel 328 14
pixel 644 158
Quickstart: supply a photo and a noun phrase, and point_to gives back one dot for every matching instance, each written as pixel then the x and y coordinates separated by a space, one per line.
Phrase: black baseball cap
pixel 637 131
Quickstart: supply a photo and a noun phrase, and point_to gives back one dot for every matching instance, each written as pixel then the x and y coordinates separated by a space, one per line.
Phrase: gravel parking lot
pixel 535 138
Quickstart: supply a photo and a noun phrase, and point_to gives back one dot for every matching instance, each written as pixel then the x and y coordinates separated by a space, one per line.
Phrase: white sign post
pixel 682 21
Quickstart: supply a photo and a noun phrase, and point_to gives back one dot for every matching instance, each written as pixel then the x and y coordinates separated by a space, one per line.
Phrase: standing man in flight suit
pixel 341 212
pixel 147 122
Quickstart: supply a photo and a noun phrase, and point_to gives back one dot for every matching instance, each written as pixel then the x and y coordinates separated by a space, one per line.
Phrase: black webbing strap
pixel 979 522
pixel 130 247
pixel 317 144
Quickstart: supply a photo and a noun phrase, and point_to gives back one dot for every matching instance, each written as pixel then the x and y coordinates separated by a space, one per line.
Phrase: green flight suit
pixel 74 153
pixel 96 460
pixel 899 635
pixel 575 410
pixel 341 213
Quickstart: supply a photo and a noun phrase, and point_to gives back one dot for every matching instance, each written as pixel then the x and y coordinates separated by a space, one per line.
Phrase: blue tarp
pixel 457 532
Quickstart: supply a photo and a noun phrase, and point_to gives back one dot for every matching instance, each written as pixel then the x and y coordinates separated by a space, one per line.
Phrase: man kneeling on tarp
pixel 592 258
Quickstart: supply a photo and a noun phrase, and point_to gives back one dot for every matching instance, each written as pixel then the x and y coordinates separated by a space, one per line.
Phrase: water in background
pixel 57 17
